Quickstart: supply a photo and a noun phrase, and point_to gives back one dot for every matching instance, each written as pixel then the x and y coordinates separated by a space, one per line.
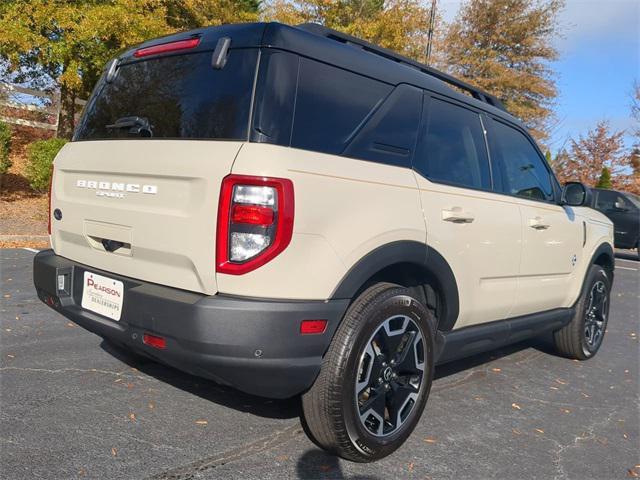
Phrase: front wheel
pixel 582 337
pixel 375 377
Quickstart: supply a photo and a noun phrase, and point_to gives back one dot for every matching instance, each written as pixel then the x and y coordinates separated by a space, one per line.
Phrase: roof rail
pixel 393 56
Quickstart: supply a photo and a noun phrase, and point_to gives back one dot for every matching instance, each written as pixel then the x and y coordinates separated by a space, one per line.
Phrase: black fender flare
pixel 426 258
pixel 603 249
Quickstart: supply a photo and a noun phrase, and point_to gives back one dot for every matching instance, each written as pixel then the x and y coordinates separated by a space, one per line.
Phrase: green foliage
pixel 40 156
pixel 5 147
pixel 605 179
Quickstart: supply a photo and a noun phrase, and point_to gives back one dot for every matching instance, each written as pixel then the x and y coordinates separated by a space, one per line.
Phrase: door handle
pixel 538 223
pixel 457 215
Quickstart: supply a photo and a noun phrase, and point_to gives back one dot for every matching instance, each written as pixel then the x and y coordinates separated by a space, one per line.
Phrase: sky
pixel 599 61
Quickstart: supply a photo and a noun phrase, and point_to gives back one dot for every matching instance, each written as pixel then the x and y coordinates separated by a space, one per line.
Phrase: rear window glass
pixel 174 97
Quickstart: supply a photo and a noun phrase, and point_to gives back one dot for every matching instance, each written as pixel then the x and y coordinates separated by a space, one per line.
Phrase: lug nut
pixel 384 364
pixel 380 381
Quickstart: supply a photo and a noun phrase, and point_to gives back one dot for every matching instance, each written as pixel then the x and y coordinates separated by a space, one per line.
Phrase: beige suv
pixel 292 211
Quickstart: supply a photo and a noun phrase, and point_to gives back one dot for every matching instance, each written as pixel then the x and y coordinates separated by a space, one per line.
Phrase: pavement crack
pixel 188 472
pixel 72 370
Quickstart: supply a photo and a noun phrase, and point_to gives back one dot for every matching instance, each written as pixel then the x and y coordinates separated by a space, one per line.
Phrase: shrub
pixel 40 157
pixel 5 147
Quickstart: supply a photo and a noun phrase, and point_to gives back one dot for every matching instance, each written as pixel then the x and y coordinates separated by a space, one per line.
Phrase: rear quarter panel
pixel 344 208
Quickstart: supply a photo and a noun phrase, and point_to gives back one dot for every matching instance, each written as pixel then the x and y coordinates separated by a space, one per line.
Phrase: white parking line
pixel 626 268
pixel 30 249
pixel 625 260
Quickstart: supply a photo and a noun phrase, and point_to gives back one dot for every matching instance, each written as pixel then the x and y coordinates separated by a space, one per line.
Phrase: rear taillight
pixel 255 222
pixel 50 185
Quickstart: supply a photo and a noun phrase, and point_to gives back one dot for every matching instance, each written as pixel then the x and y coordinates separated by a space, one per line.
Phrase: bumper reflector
pixel 154 341
pixel 313 327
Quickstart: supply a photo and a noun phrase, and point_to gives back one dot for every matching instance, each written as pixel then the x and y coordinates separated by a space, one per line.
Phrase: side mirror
pixel 575 194
pixel 620 206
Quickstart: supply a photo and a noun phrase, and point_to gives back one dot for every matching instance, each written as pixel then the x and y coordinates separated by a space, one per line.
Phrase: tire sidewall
pixel 596 274
pixel 394 302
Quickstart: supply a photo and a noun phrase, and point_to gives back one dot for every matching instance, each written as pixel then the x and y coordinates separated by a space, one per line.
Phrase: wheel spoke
pixel 409 360
pixel 398 400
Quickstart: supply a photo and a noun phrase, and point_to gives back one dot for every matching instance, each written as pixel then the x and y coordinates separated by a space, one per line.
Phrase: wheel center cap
pixel 387 374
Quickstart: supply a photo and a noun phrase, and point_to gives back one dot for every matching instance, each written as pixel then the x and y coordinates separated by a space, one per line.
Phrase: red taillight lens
pixel 167 47
pixel 313 327
pixel 252 215
pixel 154 341
pixel 50 186
pixel 255 222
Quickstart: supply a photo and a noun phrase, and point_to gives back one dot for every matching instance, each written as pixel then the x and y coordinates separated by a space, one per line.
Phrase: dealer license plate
pixel 102 295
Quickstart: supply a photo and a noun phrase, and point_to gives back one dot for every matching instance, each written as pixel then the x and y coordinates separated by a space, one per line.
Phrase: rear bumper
pixel 252 345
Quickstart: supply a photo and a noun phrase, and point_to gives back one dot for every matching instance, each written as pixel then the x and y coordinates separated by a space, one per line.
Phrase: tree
pixel 400 25
pixel 635 112
pixel 505 47
pixel 605 179
pixel 70 42
pixel 600 148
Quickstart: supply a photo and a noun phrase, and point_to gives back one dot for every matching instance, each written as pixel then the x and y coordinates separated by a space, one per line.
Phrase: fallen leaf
pixel 633 472
pixel 114 452
pixel 553 388
pixel 71 324
pixel 152 405
pixel 429 440
pixel 516 431
pixel 584 395
pixel 624 435
pixel 117 380
pixel 132 416
pixel 282 458
pixel 496 369
pixel 516 406
pixel 129 386
pixel 566 410
pixel 201 422
pixel 11 356
pixel 539 430
pixel 7 329
pixel 410 467
pixel 561 382
pixel 7 296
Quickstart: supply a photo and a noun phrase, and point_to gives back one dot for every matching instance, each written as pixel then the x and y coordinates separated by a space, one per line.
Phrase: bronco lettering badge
pixel 116 189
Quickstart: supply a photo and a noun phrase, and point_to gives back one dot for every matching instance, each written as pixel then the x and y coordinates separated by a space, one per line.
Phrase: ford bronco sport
pixel 293 211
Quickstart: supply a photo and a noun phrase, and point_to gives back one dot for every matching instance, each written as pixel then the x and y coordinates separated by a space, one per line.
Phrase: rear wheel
pixel 582 337
pixel 375 377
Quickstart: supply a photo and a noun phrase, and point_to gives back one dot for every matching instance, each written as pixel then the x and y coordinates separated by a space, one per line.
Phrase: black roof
pixel 341 50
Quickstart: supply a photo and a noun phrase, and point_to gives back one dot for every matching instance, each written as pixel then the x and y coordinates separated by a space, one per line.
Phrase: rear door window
pixel 453 147
pixel 177 96
pixel 520 167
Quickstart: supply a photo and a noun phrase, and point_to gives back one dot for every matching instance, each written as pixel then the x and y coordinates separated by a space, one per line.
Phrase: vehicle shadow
pixel 291 408
pixel 206 389
pixel 318 465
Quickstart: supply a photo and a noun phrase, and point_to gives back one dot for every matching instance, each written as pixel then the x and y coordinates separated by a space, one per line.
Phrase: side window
pixel 389 134
pixel 522 170
pixel 453 147
pixel 608 201
pixel 330 106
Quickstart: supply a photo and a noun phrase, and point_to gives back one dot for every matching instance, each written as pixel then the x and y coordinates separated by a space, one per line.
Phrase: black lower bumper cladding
pixel 250 344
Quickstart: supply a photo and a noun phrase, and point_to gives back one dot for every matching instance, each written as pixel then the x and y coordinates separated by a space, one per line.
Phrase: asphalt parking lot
pixel 72 406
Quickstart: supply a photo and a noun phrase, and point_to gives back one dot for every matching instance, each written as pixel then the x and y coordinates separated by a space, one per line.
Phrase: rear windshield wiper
pixel 136 125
